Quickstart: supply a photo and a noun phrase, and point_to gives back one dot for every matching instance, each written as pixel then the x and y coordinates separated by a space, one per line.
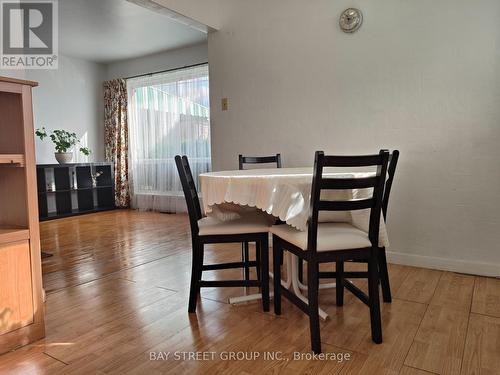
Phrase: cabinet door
pixel 16 299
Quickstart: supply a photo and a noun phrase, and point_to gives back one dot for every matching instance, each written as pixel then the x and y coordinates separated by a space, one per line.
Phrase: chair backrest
pixel 320 183
pixel 260 160
pixel 391 171
pixel 190 192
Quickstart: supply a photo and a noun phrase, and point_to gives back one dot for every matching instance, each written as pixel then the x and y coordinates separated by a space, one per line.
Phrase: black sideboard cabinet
pixel 74 189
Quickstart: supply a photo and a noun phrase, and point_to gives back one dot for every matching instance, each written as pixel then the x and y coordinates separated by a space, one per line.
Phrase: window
pixel 168 115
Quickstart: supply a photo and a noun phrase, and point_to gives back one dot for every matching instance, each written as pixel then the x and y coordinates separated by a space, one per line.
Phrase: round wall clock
pixel 350 20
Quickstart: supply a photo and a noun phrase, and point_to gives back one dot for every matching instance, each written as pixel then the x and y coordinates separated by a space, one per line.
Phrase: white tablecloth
pixel 283 193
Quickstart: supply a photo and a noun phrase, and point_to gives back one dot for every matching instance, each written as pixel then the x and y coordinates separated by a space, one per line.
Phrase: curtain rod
pixel 167 70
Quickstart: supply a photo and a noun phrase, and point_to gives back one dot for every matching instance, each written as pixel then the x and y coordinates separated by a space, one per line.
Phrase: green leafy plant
pixel 62 139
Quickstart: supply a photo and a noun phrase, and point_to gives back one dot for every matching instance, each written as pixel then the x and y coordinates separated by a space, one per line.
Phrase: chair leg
pixel 277 257
pixel 339 269
pixel 301 270
pixel 245 259
pixel 373 278
pixel 264 264
pixel 312 295
pixel 384 275
pixel 257 258
pixel 196 270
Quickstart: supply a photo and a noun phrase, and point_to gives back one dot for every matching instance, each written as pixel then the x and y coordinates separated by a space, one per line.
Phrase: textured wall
pixel 422 76
pixel 68 98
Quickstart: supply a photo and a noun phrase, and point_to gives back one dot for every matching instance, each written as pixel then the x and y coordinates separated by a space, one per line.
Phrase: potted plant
pixel 64 142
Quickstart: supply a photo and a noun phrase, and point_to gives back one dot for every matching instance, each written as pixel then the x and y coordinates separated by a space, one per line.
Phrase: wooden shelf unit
pixel 21 293
pixel 68 189
pixel 16 160
pixel 13 234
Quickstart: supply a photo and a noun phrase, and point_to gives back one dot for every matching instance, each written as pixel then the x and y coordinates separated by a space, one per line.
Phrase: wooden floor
pixel 117 291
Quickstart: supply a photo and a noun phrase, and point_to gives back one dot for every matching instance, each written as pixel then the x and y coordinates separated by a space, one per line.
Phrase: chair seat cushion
pixel 209 226
pixel 331 236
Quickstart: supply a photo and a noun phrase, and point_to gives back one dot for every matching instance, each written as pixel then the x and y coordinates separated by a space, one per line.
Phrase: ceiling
pixel 111 30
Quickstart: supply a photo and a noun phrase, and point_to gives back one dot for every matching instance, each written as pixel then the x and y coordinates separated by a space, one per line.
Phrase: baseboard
pixel 445 264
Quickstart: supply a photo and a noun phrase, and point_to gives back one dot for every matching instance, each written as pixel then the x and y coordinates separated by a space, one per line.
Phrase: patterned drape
pixel 116 136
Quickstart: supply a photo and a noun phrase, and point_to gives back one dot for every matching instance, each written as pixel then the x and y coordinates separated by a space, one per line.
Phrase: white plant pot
pixel 64 157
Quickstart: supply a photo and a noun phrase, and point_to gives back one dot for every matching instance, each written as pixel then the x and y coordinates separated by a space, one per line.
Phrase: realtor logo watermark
pixel 29 34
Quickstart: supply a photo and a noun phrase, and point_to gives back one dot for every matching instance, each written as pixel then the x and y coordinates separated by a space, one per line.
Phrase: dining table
pixel 284 194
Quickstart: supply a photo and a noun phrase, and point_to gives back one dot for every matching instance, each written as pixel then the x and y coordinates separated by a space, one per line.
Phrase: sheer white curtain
pixel 168 115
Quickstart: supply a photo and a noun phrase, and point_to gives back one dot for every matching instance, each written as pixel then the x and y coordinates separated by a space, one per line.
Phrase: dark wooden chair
pixel 335 242
pixel 275 159
pixel 245 253
pixel 382 260
pixel 207 230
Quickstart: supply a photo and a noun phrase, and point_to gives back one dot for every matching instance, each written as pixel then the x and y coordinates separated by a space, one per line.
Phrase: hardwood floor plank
pixel 439 343
pixel 119 284
pixel 174 272
pixel 454 291
pixel 413 371
pixel 486 299
pixel 238 337
pixel 397 275
pixel 91 246
pixel 71 323
pixel 419 285
pixel 349 326
pixel 29 360
pixel 400 321
pixel 134 336
pixel 143 326
pixel 482 349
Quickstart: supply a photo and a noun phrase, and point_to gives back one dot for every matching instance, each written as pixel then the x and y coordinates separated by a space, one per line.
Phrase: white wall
pixel 172 59
pixel 421 76
pixel 69 98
